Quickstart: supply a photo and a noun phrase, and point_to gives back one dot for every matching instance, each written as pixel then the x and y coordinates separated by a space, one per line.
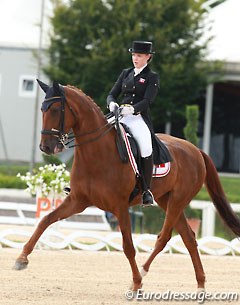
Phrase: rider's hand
pixel 126 110
pixel 113 106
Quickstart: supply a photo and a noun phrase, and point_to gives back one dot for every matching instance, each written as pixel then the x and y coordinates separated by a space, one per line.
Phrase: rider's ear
pixel 44 87
pixel 56 87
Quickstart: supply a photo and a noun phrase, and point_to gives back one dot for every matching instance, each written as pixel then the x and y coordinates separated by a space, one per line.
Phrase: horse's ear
pixel 44 87
pixel 56 87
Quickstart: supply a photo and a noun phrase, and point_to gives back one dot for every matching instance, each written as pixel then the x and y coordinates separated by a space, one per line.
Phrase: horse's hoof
pixel 20 265
pixel 135 288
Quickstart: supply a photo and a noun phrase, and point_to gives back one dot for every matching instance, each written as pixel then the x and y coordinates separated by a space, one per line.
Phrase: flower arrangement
pixel 48 179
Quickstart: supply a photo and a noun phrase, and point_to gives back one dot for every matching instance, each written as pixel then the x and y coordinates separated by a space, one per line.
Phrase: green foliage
pixel 90 41
pixel 190 130
pixel 231 186
pixel 11 182
pixel 51 159
pixel 13 169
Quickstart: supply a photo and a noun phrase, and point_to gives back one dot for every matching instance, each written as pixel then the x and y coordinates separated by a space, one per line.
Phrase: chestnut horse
pixel 100 178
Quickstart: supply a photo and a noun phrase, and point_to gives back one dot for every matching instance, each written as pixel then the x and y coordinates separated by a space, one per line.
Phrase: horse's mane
pixel 86 99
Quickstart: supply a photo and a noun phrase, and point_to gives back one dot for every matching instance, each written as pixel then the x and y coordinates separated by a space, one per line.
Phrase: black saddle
pixel 121 145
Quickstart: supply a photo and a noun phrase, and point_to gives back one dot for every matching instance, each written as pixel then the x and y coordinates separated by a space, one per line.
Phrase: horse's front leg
pixel 128 247
pixel 66 209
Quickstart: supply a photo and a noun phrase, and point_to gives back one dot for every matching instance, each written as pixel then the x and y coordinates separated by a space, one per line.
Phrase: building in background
pixel 22 26
pixel 18 70
pixel 220 120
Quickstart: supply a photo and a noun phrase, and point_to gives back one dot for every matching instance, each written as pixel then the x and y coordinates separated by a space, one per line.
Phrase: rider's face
pixel 139 60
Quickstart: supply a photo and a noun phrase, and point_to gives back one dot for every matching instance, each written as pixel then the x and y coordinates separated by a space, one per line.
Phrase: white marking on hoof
pixel 131 286
pixel 201 290
pixel 143 272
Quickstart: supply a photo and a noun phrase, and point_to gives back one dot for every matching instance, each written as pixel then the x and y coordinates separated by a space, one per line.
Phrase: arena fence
pixel 93 241
pixel 29 214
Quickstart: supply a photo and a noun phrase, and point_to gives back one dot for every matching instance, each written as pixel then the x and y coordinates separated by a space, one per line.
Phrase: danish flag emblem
pixel 142 80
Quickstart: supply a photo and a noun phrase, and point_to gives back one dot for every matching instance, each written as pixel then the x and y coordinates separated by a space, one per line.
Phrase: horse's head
pixel 55 126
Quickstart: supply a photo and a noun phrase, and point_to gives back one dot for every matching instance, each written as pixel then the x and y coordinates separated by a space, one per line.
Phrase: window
pixel 27 86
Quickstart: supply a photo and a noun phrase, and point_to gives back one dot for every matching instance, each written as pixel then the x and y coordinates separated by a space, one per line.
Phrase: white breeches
pixel 140 132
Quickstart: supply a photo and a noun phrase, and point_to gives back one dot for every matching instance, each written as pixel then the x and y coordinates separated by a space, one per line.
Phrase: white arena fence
pixel 95 220
pixel 25 214
pixel 80 240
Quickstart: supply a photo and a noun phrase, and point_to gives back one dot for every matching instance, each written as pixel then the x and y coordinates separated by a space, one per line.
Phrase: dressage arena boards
pixel 73 277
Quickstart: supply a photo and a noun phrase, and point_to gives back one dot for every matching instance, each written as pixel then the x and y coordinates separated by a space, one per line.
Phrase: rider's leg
pixel 142 134
pixel 147 170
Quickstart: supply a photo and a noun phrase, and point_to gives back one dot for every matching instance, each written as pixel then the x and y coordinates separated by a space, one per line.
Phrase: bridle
pixel 66 138
pixel 47 103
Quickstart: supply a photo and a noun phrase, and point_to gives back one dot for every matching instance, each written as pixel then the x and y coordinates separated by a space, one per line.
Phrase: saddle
pixel 129 152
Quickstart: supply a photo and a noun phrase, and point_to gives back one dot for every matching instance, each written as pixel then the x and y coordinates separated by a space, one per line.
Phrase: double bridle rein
pixel 66 138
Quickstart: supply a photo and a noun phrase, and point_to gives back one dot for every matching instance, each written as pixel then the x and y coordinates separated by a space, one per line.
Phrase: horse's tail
pixel 215 190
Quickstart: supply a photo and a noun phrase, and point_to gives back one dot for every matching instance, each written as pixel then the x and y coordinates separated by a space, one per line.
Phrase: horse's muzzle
pixel 50 148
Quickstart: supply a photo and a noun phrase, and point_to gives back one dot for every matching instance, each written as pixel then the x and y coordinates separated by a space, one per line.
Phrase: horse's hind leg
pixel 66 209
pixel 172 215
pixel 189 240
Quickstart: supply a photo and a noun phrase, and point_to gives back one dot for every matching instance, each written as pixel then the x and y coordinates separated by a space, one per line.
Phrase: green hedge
pixel 12 182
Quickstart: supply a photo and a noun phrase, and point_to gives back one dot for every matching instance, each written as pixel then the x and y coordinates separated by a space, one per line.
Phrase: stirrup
pixel 147 199
pixel 67 190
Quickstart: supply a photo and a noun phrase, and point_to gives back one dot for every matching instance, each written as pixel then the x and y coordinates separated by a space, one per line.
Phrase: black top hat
pixel 144 47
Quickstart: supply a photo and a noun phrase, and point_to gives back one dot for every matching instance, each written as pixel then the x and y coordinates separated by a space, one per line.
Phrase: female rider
pixel 138 87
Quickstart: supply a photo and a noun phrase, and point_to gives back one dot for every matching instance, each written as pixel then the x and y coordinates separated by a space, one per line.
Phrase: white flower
pixel 47 179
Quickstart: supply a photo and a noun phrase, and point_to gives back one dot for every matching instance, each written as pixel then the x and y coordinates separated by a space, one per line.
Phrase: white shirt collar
pixel 138 71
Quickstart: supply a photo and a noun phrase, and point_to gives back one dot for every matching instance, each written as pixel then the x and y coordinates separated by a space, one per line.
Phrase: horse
pixel 100 178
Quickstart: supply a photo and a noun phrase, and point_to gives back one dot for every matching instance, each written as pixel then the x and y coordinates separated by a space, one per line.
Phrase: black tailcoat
pixel 140 91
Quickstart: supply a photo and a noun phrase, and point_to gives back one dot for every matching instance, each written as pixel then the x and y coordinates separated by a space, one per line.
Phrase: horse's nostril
pixel 44 148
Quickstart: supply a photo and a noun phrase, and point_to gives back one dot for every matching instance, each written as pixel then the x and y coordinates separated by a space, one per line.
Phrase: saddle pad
pixel 159 170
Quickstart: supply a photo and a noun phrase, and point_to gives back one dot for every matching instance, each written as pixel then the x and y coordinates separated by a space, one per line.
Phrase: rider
pixel 138 87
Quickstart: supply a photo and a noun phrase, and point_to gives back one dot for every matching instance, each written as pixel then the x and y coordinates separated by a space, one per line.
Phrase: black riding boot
pixel 147 171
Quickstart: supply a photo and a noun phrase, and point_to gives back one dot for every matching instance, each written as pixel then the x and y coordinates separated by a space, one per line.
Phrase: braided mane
pixel 86 99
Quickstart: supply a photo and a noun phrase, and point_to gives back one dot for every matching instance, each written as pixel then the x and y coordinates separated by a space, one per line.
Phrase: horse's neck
pixel 94 146
pixel 97 154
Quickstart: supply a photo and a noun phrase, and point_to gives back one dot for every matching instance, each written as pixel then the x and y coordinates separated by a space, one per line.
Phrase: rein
pixel 72 137
pixel 63 137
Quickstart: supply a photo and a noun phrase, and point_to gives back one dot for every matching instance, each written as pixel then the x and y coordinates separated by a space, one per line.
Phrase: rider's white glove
pixel 126 110
pixel 113 106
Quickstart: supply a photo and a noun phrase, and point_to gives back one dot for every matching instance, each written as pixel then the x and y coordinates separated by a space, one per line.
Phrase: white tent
pixel 20 22
pixel 226 22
